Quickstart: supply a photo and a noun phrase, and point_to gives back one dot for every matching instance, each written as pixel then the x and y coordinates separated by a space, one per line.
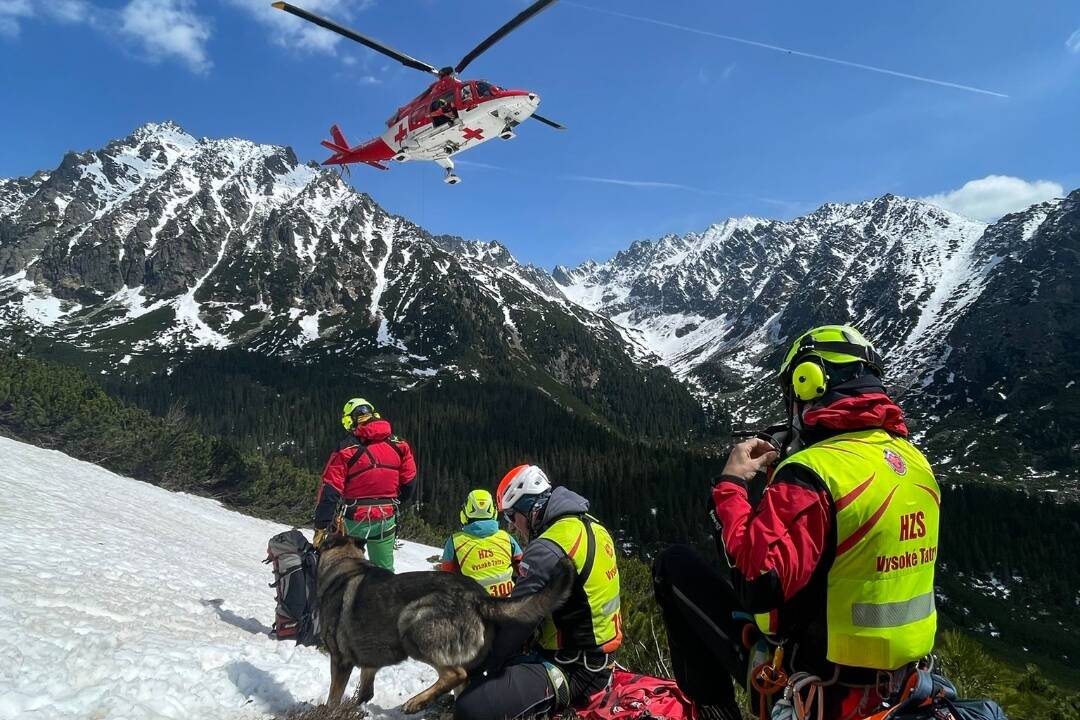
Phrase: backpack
pixel 294 561
pixel 631 696
pixel 930 696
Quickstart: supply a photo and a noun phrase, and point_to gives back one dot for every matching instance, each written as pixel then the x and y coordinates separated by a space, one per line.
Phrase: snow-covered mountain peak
pixel 159 242
pixel 721 291
pixel 730 225
pixel 889 209
pixel 166 134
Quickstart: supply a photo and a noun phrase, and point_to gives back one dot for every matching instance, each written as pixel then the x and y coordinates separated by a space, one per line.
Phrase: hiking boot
pixel 728 711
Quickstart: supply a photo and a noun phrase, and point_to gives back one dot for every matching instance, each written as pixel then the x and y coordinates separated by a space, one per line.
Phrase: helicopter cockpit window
pixel 466 94
pixel 483 89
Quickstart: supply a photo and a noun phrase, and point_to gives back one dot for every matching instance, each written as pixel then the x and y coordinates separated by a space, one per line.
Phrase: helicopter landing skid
pixel 448 165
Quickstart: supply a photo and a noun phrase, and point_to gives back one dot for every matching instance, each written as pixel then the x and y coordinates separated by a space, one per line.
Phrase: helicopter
pixel 452 115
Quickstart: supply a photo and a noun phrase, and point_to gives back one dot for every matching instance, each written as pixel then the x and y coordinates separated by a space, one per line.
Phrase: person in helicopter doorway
pixel 832 573
pixel 481 550
pixel 365 480
pixel 570 659
pixel 442 112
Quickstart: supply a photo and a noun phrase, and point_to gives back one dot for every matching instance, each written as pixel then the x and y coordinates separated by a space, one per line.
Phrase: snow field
pixel 123 600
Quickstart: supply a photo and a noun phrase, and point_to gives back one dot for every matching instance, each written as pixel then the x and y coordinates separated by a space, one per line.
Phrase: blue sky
pixel 674 122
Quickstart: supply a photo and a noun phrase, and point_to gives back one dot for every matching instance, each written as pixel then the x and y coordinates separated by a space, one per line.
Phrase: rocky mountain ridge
pixel 939 294
pixel 160 243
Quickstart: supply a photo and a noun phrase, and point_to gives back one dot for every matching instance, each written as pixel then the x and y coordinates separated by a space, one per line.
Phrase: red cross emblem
pixel 400 134
pixel 471 134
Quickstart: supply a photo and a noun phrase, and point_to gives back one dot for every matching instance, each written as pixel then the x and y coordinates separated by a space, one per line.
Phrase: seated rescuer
pixel 571 657
pixel 836 562
pixel 481 550
pixel 364 481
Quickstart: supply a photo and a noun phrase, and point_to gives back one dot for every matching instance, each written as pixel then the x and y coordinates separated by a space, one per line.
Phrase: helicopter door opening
pixel 442 110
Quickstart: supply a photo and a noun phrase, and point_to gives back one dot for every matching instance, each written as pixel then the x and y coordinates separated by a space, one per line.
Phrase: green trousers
pixel 379 537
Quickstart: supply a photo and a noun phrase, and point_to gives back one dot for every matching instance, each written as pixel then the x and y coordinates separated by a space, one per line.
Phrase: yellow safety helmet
pixel 479 505
pixel 357 412
pixel 804 372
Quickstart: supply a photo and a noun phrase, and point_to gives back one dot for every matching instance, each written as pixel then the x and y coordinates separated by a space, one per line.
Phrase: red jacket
pixel 776 546
pixel 372 463
pixel 780 551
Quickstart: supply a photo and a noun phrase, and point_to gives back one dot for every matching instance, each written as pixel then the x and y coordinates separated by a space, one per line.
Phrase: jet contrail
pixel 675 186
pixel 647 184
pixel 640 183
pixel 788 51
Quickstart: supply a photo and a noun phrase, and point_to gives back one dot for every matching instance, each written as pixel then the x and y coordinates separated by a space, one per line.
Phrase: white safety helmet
pixel 521 481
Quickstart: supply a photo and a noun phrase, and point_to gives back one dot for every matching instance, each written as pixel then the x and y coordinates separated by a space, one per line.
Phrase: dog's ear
pixel 350 546
pixel 359 547
pixel 334 541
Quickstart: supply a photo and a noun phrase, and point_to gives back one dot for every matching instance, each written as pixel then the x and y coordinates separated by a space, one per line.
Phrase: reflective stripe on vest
pixel 487 560
pixel 880 589
pixel 591 618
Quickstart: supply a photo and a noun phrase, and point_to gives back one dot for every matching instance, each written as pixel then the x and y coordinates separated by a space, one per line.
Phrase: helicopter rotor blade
pixel 357 37
pixel 544 120
pixel 502 32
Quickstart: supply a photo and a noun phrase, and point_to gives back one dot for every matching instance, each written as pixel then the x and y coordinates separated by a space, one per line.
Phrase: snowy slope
pixel 125 600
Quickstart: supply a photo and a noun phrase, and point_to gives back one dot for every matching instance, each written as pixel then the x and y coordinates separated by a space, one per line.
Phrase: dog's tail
pixel 530 610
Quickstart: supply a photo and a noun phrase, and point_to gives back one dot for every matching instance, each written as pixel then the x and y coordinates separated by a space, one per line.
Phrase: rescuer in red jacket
pixel 364 481
pixel 835 563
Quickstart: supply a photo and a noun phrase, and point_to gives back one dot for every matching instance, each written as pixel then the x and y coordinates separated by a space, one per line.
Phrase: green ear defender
pixel 809 380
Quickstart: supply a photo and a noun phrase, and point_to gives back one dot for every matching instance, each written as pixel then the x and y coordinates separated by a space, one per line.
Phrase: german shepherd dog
pixel 371 618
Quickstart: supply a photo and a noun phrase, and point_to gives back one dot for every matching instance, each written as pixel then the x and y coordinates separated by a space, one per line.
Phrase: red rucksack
pixel 631 696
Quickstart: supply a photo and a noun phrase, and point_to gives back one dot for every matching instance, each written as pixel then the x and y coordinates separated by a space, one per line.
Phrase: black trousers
pixel 523 689
pixel 697 603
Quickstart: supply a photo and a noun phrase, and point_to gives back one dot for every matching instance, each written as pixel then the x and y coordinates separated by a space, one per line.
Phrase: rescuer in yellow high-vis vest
pixel 570 658
pixel 836 562
pixel 480 550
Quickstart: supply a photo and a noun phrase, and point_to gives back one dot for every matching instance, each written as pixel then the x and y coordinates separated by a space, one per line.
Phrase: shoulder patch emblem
pixel 896 462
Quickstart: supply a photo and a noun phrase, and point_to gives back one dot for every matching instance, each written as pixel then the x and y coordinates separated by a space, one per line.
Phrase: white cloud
pixel 67 10
pixel 989 198
pixel 293 32
pixel 158 28
pixel 13 12
pixel 1073 43
pixel 167 28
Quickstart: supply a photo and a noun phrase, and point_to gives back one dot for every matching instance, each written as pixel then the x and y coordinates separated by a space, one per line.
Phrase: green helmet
pixel 479 505
pixel 356 412
pixel 805 370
